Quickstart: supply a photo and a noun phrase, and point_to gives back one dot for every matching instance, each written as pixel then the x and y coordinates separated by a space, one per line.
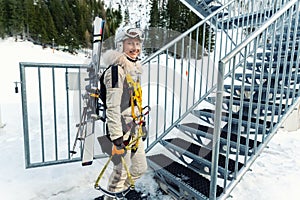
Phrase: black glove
pixel 118 150
pixel 118 141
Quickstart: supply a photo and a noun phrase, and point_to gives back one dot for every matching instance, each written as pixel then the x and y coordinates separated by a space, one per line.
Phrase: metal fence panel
pixel 51 106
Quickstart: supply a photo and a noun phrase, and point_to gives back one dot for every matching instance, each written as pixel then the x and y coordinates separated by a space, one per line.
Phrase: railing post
pixel 217 131
pixel 25 115
pixel 1 124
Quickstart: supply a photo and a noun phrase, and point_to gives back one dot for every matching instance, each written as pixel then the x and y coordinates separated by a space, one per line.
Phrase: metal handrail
pixel 231 57
pixel 186 33
pixel 256 33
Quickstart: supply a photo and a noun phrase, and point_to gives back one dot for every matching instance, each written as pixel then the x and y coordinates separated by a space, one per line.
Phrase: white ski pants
pixel 137 164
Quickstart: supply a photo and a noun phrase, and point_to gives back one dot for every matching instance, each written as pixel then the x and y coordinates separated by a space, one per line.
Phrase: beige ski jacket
pixel 118 110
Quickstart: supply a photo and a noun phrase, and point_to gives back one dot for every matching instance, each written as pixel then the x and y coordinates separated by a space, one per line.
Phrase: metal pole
pixel 52 45
pixel 217 131
pixel 1 124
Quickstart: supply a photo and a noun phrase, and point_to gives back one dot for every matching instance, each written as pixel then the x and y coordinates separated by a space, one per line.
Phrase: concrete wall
pixel 292 123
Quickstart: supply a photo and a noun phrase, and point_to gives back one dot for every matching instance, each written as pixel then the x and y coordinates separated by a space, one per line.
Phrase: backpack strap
pixel 115 76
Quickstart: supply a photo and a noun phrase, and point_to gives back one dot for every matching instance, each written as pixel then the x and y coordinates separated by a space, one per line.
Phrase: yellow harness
pixel 136 100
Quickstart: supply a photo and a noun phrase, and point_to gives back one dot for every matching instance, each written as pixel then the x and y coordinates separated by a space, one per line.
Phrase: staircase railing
pixel 266 76
pixel 186 68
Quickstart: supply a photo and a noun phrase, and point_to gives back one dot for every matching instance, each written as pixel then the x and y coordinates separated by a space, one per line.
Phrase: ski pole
pixel 82 122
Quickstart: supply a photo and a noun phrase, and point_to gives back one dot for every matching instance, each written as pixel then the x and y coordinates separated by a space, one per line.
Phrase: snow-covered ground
pixel 275 174
pixel 67 181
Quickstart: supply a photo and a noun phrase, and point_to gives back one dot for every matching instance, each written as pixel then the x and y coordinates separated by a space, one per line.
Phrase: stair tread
pixel 208 1
pixel 214 8
pixel 283 44
pixel 253 17
pixel 278 57
pixel 203 152
pixel 264 89
pixel 274 64
pixel 240 76
pixel 224 134
pixel 255 88
pixel 246 103
pixel 184 174
pixel 265 78
pixel 235 116
pixel 276 53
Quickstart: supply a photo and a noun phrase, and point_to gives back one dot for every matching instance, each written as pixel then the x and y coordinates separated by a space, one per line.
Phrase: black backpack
pixel 101 106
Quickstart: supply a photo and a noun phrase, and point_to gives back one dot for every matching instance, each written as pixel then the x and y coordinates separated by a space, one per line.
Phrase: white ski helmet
pixel 126 32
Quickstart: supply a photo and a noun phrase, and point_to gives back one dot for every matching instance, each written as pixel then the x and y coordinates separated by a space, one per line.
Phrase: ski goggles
pixel 134 33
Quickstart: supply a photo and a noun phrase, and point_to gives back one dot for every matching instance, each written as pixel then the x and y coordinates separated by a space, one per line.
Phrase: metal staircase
pixel 214 140
pixel 206 8
pixel 203 8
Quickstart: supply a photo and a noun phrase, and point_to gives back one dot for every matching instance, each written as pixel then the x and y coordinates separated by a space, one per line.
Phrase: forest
pixel 68 23
pixel 59 22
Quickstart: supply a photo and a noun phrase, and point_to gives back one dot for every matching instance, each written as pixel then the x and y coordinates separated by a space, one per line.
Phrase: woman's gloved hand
pixel 145 131
pixel 118 150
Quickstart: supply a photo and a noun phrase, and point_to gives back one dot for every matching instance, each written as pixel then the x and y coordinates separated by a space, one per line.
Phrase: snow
pixel 67 181
pixel 275 174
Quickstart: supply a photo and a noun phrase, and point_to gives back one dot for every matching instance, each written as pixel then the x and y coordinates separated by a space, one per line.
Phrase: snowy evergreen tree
pixel 10 17
pixel 154 13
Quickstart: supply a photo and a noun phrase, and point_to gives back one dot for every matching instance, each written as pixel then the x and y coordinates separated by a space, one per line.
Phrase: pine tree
pixel 11 14
pixel 126 16
pixel 34 22
pixel 47 28
pixel 154 14
pixel 113 19
pixel 57 11
pixel 181 19
pixel 2 19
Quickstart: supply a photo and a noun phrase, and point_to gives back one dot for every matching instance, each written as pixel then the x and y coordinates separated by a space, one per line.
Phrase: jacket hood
pixel 113 57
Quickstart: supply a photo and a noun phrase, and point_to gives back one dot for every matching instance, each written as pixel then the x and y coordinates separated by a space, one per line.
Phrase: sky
pixel 274 175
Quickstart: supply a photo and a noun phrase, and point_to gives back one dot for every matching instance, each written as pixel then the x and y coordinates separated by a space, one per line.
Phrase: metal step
pixel 181 181
pixel 251 18
pixel 294 78
pixel 284 45
pixel 264 107
pixel 199 6
pixel 268 56
pixel 293 27
pixel 204 8
pixel 207 2
pixel 207 132
pixel 236 90
pixel 214 8
pixel 286 38
pixel 269 67
pixel 208 115
pixel 204 3
pixel 201 157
